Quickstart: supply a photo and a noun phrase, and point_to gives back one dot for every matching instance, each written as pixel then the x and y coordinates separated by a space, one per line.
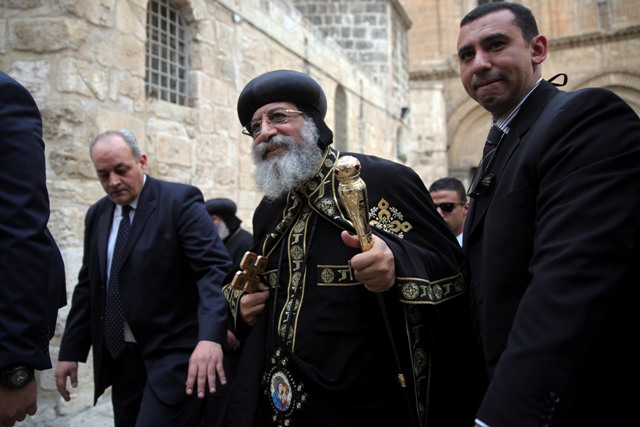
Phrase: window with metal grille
pixel 167 74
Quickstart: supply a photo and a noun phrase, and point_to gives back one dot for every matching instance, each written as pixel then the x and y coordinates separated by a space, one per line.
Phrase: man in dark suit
pixel 553 235
pixel 169 285
pixel 32 281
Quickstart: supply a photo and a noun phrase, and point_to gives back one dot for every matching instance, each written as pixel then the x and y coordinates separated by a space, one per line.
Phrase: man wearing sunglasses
pixel 450 198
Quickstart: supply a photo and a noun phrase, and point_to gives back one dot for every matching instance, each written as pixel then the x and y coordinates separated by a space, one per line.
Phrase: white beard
pixel 278 175
pixel 223 231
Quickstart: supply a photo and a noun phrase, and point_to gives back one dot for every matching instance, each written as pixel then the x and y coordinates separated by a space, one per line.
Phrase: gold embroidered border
pixel 233 298
pixel 336 275
pixel 421 358
pixel 298 239
pixel 233 295
pixel 420 291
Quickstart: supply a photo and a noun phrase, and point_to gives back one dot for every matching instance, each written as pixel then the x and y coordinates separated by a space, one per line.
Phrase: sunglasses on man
pixel 449 206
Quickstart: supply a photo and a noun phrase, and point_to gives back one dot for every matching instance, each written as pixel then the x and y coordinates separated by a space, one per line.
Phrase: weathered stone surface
pixel 64 122
pixel 84 78
pixel 72 161
pixel 23 4
pixel 121 51
pixel 174 151
pixel 3 37
pixel 98 12
pixel 42 35
pixel 34 75
pixel 108 119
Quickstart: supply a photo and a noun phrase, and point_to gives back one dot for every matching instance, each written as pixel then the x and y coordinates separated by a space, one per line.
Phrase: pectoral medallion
pixel 284 394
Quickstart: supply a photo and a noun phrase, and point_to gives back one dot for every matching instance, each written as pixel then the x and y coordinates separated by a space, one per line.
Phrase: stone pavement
pixel 76 413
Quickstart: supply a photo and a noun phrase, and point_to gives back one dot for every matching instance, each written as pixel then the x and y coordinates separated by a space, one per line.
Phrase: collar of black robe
pixel 295 199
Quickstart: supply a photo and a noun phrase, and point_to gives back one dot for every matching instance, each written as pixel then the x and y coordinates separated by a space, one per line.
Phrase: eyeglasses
pixel 449 206
pixel 273 118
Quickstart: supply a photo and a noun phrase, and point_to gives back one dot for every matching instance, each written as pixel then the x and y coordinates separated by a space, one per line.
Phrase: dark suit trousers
pixel 128 379
pixel 135 404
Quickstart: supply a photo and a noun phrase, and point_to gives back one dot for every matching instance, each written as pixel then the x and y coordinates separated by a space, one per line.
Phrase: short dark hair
pixel 523 18
pixel 450 184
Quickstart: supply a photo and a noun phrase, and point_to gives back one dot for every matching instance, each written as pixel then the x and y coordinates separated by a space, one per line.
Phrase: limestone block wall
pixel 84 63
pixel 371 32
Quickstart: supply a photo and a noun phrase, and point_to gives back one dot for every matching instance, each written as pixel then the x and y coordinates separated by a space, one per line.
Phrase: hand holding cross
pixel 248 278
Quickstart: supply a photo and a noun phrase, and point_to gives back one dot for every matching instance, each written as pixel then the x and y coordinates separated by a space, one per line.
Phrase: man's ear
pixel 538 48
pixel 143 162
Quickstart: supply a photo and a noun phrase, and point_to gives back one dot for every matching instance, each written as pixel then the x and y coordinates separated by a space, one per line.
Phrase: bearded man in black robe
pixel 236 239
pixel 331 328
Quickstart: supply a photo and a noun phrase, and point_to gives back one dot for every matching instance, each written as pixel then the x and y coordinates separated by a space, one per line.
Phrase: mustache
pixel 117 190
pixel 278 141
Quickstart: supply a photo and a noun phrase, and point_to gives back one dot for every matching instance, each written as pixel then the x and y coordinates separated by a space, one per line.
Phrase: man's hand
pixel 252 305
pixel 375 268
pixel 64 370
pixel 204 364
pixel 16 404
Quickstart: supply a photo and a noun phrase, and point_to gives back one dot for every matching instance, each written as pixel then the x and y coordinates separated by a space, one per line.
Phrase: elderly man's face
pixel 285 149
pixel 276 118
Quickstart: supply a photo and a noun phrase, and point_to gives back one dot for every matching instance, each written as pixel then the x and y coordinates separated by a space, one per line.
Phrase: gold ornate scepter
pixel 352 191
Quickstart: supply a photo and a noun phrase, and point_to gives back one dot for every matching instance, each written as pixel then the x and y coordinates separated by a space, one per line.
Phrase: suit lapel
pixel 527 116
pixel 104 230
pixel 508 146
pixel 146 206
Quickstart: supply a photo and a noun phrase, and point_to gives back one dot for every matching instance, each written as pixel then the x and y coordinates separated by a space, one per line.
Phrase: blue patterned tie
pixel 114 310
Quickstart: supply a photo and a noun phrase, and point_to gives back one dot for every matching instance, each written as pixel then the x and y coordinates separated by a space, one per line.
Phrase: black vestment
pixel 336 339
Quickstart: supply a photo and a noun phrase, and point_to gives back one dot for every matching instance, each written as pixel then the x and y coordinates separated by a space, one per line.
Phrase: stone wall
pixel 373 33
pixel 84 62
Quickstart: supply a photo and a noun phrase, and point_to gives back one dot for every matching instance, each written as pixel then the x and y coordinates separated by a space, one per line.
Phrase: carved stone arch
pixel 467 128
pixel 625 85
